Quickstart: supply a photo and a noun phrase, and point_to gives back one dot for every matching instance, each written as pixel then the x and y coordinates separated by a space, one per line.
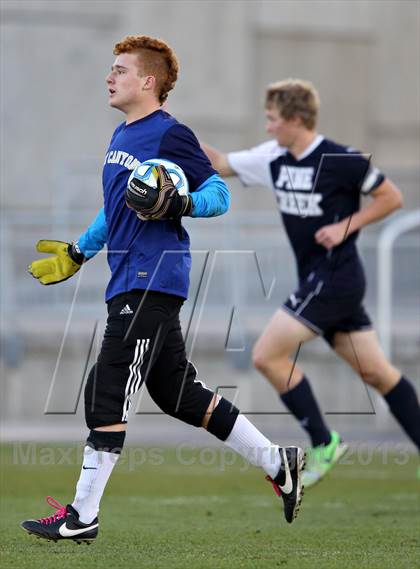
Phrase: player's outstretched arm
pixel 95 236
pixel 67 258
pixel 386 198
pixel 218 160
pixel 65 261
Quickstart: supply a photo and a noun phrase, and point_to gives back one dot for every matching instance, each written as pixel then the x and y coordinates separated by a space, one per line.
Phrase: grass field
pixel 163 514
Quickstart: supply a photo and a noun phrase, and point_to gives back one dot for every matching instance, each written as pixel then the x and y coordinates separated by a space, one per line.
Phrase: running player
pixel 143 342
pixel 317 184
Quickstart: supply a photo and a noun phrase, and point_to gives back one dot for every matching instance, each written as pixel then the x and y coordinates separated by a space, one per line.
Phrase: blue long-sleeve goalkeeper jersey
pixel 153 255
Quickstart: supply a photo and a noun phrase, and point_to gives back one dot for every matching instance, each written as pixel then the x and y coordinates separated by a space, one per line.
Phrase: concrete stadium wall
pixel 363 57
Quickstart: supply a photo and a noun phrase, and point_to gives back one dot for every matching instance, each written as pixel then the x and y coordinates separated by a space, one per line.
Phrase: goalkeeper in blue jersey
pixel 317 185
pixel 143 342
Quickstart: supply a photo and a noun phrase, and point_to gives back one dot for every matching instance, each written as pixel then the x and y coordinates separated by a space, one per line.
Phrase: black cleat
pixel 287 484
pixel 64 524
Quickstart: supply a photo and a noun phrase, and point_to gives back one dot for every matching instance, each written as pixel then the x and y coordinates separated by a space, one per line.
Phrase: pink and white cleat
pixel 64 524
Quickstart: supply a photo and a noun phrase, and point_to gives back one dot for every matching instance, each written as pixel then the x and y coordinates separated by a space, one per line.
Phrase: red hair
pixel 155 58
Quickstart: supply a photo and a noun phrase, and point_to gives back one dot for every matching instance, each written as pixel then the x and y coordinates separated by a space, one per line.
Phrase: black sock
pixel 301 402
pixel 222 419
pixel 403 403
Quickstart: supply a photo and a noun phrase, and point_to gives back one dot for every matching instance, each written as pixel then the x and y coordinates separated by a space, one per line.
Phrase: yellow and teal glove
pixel 65 262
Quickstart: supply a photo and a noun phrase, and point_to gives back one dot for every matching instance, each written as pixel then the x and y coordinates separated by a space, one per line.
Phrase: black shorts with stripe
pixel 143 344
pixel 329 302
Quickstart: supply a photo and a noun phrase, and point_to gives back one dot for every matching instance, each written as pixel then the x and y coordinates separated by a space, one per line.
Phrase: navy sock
pixel 403 403
pixel 301 402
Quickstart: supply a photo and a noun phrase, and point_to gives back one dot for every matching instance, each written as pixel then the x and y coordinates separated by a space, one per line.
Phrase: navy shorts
pixel 326 308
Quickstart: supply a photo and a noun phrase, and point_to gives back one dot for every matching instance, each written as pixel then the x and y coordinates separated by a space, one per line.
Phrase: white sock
pixel 250 443
pixel 96 469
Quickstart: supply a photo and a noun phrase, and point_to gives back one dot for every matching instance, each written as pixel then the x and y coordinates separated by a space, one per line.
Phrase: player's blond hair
pixel 155 58
pixel 294 98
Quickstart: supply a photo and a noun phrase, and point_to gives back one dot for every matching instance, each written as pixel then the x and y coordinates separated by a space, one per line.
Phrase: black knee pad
pixel 108 441
pixel 222 419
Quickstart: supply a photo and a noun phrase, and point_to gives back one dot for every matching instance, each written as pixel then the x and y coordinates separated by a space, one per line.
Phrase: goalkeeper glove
pixel 65 262
pixel 162 202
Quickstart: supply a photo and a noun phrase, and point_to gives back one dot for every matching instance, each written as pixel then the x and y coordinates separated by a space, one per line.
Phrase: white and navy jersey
pixel 322 186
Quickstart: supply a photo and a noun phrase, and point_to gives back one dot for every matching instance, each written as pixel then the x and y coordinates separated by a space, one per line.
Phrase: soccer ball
pixel 147 174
